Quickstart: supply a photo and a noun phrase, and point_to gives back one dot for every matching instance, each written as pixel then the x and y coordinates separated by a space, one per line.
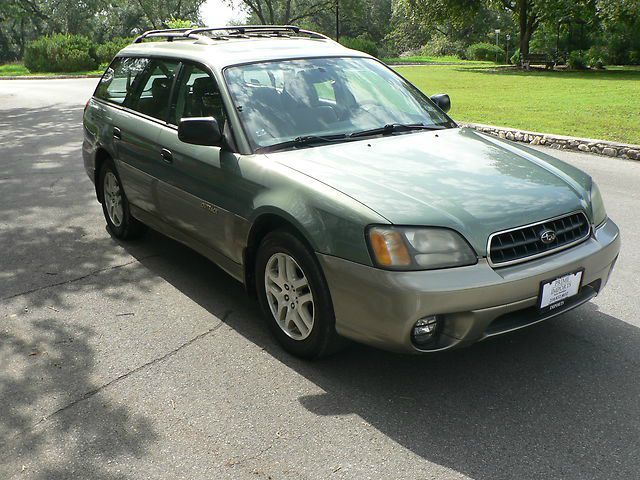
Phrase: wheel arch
pixel 101 156
pixel 265 223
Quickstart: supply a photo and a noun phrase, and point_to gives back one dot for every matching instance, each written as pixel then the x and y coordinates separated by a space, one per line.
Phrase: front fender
pixel 332 223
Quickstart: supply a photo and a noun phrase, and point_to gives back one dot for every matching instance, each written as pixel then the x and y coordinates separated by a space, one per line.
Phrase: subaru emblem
pixel 548 236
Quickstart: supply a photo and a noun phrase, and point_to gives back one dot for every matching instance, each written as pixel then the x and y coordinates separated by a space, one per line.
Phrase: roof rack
pixel 244 31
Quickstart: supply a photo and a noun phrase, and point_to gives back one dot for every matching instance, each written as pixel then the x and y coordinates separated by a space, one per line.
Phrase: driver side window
pixel 198 95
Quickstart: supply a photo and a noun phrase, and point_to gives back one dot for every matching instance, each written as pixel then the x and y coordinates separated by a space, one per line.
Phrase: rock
pixel 501 135
pixel 611 152
pixel 543 141
pixel 518 137
pixel 573 143
pixel 557 146
pixel 535 141
pixel 633 154
pixel 595 150
pixel 583 147
pixel 509 136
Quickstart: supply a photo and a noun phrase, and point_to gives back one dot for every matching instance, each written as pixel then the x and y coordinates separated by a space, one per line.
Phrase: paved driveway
pixel 143 360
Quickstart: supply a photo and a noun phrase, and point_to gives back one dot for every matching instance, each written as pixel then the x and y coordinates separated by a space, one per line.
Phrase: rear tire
pixel 115 205
pixel 294 297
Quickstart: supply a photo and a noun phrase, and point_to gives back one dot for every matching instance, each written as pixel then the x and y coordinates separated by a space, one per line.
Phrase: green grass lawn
pixel 446 59
pixel 19 70
pixel 595 104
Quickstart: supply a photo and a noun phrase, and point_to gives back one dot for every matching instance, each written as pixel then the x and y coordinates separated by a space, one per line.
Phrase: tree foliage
pixel 100 20
pixel 612 28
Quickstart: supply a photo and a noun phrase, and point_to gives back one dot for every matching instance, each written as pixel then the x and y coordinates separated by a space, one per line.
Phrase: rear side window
pixel 120 79
pixel 152 96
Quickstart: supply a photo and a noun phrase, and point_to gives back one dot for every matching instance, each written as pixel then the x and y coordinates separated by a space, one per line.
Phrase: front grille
pixel 522 243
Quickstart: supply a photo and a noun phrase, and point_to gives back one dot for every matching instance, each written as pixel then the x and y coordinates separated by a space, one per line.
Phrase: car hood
pixel 455 178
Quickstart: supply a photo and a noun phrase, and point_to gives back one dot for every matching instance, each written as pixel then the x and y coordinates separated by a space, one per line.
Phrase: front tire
pixel 294 297
pixel 115 205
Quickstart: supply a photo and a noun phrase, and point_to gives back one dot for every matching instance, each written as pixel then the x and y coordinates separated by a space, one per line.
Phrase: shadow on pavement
pixel 55 420
pixel 543 402
pixel 46 363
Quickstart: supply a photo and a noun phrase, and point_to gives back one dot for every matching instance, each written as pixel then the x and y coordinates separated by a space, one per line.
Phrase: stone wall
pixel 561 142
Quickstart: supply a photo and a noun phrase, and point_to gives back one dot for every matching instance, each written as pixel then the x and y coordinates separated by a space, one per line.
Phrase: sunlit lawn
pixel 19 70
pixel 437 60
pixel 593 104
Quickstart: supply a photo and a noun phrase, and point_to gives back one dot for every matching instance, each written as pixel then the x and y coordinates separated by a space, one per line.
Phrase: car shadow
pixel 544 402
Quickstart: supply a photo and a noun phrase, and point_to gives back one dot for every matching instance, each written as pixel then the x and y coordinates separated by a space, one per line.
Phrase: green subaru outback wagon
pixel 347 201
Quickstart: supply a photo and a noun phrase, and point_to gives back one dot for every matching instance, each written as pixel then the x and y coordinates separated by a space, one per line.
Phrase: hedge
pixel 60 53
pixel 108 50
pixel 362 44
pixel 485 51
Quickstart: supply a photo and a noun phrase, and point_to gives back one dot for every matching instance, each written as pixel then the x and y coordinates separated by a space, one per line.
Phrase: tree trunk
pixel 528 21
pixel 525 36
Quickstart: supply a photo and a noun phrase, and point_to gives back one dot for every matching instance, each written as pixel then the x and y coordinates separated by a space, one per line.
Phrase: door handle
pixel 117 133
pixel 166 155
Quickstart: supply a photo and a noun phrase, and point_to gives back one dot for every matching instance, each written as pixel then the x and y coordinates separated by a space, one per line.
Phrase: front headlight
pixel 597 205
pixel 418 248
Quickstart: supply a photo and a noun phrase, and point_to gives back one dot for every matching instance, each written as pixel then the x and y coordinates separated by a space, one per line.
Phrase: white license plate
pixel 553 293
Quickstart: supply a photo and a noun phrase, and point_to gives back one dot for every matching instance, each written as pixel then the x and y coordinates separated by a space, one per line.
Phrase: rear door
pixel 141 124
pixel 136 125
pixel 121 132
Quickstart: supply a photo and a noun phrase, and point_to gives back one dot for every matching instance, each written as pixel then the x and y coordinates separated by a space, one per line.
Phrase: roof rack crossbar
pixel 168 32
pixel 240 30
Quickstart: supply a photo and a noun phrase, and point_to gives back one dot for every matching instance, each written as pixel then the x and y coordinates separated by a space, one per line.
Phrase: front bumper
pixel 380 307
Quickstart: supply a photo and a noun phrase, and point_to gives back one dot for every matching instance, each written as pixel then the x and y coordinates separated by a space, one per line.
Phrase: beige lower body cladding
pixel 600 147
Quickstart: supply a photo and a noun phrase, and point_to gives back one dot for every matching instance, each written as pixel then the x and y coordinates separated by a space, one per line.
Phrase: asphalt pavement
pixel 142 360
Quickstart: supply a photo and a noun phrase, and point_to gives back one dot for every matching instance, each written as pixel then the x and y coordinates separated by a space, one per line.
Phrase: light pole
pixel 506 58
pixel 497 30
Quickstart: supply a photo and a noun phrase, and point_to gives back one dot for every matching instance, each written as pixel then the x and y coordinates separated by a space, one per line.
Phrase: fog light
pixel 425 330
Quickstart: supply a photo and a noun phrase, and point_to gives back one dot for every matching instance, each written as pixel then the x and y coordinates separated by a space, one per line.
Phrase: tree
pixel 285 12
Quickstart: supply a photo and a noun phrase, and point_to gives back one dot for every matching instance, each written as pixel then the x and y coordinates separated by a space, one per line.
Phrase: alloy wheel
pixel 113 198
pixel 289 296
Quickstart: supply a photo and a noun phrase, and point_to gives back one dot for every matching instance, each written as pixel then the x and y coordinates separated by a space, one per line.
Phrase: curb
pixel 561 142
pixel 47 77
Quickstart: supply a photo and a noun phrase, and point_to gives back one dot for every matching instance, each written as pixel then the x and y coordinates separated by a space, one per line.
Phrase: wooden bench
pixel 540 59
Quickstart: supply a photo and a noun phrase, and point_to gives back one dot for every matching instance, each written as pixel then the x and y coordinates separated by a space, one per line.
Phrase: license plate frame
pixel 553 305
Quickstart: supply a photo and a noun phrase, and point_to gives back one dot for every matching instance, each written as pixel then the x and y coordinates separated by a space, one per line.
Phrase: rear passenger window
pixel 152 98
pixel 198 96
pixel 120 79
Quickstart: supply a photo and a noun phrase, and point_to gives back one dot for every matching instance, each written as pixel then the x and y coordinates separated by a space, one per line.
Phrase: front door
pixel 197 194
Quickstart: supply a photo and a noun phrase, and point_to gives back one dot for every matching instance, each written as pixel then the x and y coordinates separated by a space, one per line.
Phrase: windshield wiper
pixel 302 141
pixel 395 127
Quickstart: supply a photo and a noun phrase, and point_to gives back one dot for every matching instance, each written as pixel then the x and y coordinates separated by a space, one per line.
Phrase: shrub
pixel 485 51
pixel 577 60
pixel 362 44
pixel 440 45
pixel 108 50
pixel 60 53
pixel 596 57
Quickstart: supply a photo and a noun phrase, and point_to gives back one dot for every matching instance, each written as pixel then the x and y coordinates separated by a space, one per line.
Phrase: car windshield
pixel 325 98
